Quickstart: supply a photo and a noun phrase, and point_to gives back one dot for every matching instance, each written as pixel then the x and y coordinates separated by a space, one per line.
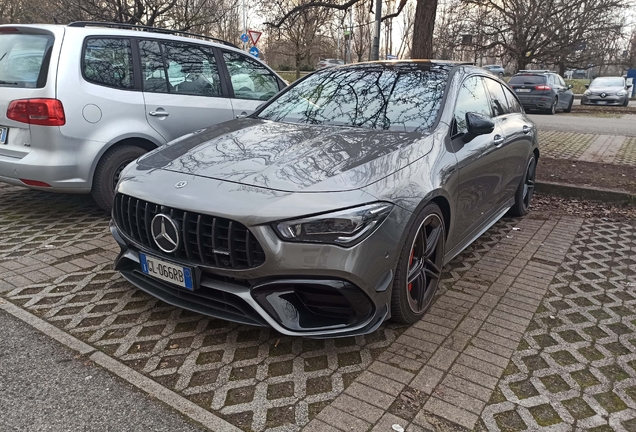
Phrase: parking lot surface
pixel 534 327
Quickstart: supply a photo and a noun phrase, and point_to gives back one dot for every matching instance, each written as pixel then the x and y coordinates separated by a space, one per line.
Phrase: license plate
pixel 523 90
pixel 169 272
pixel 601 103
pixel 3 135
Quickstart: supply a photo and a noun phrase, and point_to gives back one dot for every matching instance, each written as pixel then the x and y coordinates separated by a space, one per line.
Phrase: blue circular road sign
pixel 244 38
pixel 254 51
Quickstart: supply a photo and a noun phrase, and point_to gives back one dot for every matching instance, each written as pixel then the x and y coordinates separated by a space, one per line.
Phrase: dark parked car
pixel 495 70
pixel 542 90
pixel 333 207
pixel 607 91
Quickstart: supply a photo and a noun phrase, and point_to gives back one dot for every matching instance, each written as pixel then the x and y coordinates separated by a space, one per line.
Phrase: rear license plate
pixel 169 272
pixel 523 90
pixel 3 135
pixel 601 103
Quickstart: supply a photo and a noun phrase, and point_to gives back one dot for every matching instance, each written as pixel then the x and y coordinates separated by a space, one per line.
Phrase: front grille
pixel 206 240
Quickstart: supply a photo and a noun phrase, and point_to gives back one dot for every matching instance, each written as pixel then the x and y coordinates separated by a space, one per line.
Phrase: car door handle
pixel 241 115
pixel 498 140
pixel 526 129
pixel 159 113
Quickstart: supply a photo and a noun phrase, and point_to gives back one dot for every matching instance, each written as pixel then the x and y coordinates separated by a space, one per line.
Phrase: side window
pixel 108 62
pixel 497 98
pixel 153 71
pixel 561 81
pixel 192 70
pixel 513 103
pixel 250 80
pixel 472 98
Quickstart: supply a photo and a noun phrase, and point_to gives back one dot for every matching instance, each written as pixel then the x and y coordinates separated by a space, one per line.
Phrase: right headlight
pixel 343 228
pixel 587 93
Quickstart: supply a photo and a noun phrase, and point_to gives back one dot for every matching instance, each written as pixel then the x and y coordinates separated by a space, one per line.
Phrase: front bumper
pixel 608 100
pixel 292 299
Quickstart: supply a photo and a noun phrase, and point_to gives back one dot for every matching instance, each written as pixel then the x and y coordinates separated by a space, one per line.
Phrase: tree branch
pixel 301 8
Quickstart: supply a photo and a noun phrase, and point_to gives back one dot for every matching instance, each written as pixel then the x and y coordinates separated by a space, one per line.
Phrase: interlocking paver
pixel 574 356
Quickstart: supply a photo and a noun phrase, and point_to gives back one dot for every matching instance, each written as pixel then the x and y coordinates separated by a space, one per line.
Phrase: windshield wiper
pixel 8 83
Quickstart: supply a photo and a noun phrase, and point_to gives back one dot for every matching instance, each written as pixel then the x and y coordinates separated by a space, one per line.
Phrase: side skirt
pixel 478 232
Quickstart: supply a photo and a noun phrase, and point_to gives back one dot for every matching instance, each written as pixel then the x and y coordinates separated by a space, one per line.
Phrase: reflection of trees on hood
pixel 403 97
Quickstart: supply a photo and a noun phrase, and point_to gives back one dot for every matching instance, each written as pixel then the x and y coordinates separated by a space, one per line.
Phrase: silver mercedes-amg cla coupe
pixel 335 205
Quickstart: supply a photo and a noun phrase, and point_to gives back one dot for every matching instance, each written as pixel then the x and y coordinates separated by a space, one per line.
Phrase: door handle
pixel 159 113
pixel 526 129
pixel 498 140
pixel 241 115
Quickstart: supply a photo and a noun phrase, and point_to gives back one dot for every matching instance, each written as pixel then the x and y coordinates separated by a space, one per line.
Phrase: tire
pixel 569 108
pixel 108 170
pixel 425 263
pixel 626 102
pixel 525 191
pixel 501 75
pixel 553 108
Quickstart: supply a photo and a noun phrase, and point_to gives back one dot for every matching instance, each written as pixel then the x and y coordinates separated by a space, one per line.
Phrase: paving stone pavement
pixel 453 370
pixel 611 149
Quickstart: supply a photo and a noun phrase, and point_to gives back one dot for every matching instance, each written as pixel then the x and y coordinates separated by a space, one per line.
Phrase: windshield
pixel 527 79
pixel 21 57
pixel 608 82
pixel 389 97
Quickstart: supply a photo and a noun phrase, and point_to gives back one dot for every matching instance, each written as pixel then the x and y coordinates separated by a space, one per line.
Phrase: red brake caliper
pixel 410 264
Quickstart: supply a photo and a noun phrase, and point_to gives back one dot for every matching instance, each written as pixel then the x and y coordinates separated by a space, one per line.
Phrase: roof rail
pixel 148 29
pixel 536 71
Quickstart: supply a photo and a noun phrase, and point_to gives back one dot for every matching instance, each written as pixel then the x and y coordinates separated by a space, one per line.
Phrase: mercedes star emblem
pixel 165 233
pixel 181 184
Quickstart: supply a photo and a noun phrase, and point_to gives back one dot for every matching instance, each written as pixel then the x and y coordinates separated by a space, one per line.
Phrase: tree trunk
pixel 423 29
pixel 522 61
pixel 562 68
pixel 297 65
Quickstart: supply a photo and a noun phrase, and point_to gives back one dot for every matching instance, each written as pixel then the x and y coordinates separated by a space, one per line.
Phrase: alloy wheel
pixel 528 185
pixel 425 264
pixel 118 171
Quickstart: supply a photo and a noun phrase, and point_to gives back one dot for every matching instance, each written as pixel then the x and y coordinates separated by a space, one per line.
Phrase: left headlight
pixel 344 228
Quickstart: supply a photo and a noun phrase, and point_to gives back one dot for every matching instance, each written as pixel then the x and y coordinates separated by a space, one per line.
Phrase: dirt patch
pixel 546 206
pixel 608 176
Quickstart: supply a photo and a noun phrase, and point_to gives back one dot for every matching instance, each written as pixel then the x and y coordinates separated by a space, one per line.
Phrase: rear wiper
pixel 8 83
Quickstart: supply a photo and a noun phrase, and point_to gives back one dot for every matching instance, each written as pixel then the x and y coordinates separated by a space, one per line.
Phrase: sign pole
pixel 244 23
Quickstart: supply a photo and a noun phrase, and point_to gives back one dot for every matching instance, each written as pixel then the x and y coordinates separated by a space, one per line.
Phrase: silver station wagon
pixel 80 102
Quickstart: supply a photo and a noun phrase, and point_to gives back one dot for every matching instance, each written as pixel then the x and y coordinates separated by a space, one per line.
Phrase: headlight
pixel 587 93
pixel 344 228
pixel 621 93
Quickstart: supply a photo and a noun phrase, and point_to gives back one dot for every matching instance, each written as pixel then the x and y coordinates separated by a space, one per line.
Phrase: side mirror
pixel 587 86
pixel 570 86
pixel 478 124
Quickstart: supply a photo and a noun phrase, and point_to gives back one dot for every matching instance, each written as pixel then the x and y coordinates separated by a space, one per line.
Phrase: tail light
pixel 543 87
pixel 42 112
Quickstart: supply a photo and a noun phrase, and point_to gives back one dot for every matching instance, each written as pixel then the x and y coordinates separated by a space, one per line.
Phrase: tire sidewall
pixel 401 310
pixel 103 188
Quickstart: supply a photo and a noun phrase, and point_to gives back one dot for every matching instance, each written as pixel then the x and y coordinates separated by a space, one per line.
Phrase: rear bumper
pixel 536 102
pixel 63 163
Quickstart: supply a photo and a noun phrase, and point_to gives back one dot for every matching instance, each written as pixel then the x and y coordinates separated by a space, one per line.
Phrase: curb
pixel 585 193
pixel 137 380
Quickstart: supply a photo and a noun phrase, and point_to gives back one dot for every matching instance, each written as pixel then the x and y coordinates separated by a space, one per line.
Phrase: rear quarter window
pixel 23 59
pixel 108 62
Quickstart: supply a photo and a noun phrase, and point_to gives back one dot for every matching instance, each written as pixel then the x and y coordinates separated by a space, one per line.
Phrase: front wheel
pixel 108 171
pixel 525 191
pixel 419 267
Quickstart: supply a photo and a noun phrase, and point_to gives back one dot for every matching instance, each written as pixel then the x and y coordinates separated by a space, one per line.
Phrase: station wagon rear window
pixel 528 79
pixel 21 59
pixel 108 62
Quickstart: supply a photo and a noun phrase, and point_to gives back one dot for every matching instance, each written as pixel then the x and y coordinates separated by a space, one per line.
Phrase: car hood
pixel 604 89
pixel 290 157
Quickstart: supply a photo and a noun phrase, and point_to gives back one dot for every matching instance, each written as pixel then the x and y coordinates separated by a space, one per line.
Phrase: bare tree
pixel 361 43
